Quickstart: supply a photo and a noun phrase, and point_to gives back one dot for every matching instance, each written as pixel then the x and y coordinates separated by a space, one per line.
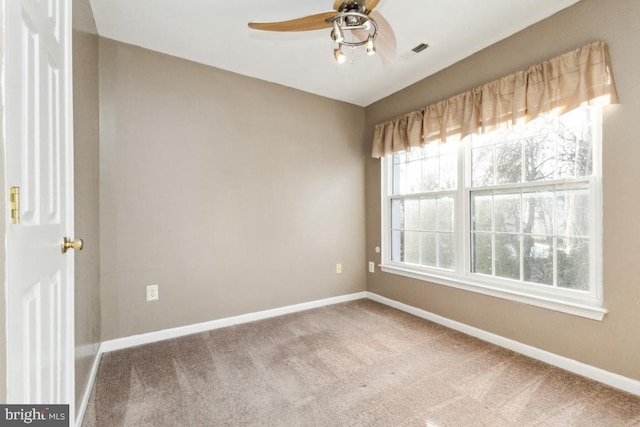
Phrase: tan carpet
pixel 353 364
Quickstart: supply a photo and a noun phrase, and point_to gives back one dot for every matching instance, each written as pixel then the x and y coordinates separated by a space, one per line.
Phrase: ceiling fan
pixel 354 23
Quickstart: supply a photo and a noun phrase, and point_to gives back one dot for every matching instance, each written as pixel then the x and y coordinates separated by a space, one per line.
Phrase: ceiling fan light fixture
pixel 370 47
pixel 352 21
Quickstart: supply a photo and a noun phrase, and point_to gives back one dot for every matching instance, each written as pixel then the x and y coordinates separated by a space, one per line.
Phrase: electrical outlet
pixel 338 268
pixel 152 293
pixel 372 267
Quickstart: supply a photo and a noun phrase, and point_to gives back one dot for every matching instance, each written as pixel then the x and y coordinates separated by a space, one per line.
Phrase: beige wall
pixel 233 195
pixel 87 215
pixel 612 344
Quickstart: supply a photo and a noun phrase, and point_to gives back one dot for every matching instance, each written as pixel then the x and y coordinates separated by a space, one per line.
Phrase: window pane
pixel 508 163
pixel 482 166
pixel 400 178
pixel 447 171
pixel 575 147
pixel 429 241
pixel 573 213
pixel 414 177
pixel 445 213
pixel 584 161
pixel 540 154
pixel 482 253
pixel 538 259
pixel 507 212
pixel 508 256
pixel 573 263
pixel 412 247
pixel 574 152
pixel 447 251
pixel 428 214
pixel 397 249
pixel 411 214
pixel 537 212
pixel 482 212
pixel 397 214
pixel 430 174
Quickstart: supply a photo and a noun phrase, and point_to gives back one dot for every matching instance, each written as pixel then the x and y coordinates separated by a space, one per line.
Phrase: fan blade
pixel 370 5
pixel 386 44
pixel 306 23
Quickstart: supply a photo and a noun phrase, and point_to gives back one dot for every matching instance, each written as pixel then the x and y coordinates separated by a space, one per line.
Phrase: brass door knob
pixel 71 244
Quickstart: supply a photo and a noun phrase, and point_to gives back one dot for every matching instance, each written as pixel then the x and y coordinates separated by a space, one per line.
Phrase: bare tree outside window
pixel 538 231
pixel 510 208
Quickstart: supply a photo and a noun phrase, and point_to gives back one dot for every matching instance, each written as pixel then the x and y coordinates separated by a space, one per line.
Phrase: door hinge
pixel 14 204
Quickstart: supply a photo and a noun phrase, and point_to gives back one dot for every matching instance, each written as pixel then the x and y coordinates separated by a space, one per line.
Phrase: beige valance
pixel 557 85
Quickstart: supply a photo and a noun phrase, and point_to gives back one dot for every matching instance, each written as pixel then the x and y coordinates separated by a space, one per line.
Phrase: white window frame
pixel 579 303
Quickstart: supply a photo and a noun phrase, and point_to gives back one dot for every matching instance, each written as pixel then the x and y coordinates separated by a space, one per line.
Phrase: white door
pixel 38 130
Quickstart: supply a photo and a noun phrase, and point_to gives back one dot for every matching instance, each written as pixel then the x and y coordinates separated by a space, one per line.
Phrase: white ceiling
pixel 215 33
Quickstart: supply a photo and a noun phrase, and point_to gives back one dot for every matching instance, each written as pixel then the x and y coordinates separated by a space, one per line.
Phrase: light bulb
pixel 339 56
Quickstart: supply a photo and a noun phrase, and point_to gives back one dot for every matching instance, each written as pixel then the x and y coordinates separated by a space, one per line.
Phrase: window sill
pixel 575 308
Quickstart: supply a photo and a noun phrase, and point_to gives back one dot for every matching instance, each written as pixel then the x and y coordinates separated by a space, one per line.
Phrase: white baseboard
pixel 614 380
pixel 88 387
pixel 135 340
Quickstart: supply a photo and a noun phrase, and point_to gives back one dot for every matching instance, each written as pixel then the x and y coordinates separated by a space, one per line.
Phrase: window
pixel 422 220
pixel 514 213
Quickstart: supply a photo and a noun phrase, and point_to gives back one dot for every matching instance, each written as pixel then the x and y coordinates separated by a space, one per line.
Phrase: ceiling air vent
pixel 420 47
pixel 414 52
